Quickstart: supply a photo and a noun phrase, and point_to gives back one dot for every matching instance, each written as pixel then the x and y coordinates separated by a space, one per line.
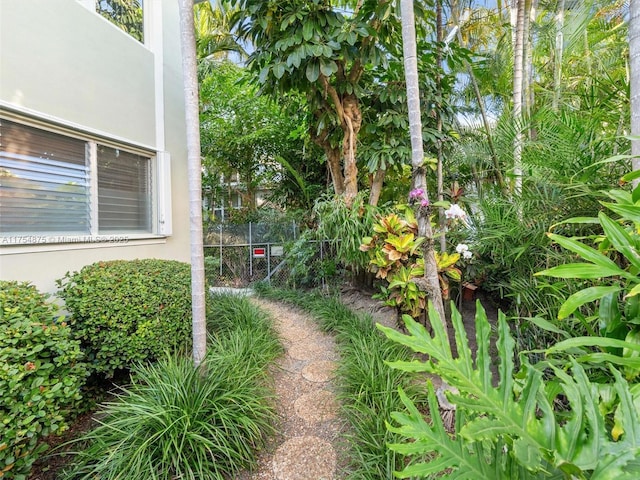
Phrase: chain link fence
pixel 238 255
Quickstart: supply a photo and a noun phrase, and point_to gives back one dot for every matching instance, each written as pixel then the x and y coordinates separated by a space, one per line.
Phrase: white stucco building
pixel 92 139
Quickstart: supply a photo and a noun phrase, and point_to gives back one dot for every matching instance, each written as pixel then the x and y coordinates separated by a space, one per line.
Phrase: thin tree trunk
pixel 527 87
pixel 377 180
pixel 351 126
pixel 634 53
pixel 188 48
pixel 513 20
pixel 430 282
pixel 557 60
pixel 439 39
pixel 518 78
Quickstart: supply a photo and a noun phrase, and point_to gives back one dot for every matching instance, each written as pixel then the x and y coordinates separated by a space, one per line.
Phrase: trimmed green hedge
pixel 129 311
pixel 41 374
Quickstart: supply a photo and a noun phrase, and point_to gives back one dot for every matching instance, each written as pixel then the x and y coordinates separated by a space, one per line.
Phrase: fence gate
pixel 239 255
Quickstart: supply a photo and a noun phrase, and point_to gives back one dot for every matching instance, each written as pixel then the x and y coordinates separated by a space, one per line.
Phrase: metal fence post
pixel 268 247
pixel 221 228
pixel 321 263
pixel 250 253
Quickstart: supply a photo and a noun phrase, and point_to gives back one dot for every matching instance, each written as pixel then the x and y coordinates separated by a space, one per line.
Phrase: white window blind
pixel 44 182
pixel 124 191
pixel 56 186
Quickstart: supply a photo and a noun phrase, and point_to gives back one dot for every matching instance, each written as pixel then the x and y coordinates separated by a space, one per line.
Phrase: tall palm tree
pixel 430 282
pixel 214 25
pixel 194 167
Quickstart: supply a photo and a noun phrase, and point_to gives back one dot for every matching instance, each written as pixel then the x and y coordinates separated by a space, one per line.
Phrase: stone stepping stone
pixel 305 458
pixel 306 351
pixel 317 406
pixel 291 365
pixel 295 333
pixel 319 372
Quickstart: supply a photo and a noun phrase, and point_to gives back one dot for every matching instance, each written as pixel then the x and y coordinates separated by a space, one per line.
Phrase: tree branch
pixel 333 94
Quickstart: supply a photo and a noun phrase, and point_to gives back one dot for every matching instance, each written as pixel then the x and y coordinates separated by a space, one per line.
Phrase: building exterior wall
pixel 63 64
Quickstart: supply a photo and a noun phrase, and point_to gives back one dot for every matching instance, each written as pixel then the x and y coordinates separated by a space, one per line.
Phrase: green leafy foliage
pixel 179 421
pixel 253 143
pixel 510 426
pixel 396 256
pixel 125 14
pixel 344 226
pixel 129 311
pixel 41 373
pixel 613 259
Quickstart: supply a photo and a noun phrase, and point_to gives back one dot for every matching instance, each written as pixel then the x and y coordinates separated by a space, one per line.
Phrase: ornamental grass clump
pixel 179 421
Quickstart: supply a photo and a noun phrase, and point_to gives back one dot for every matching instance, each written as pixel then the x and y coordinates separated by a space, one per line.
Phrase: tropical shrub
pixel 128 311
pixel 344 227
pixel 396 256
pixel 180 421
pixel 612 259
pixel 512 426
pixel 41 373
pixel 309 261
pixel 212 269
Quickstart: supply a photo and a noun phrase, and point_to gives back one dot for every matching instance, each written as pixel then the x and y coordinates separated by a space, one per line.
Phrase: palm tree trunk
pixel 518 79
pixel 188 47
pixel 527 87
pixel 634 53
pixel 439 39
pixel 430 282
pixel 557 60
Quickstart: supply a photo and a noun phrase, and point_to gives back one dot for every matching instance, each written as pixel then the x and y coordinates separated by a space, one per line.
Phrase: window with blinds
pixel 124 191
pixel 46 182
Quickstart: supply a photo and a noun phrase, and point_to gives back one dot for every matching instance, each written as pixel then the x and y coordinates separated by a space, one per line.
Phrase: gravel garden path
pixel 309 440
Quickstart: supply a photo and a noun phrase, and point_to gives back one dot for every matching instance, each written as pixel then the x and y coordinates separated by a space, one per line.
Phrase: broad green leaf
pixel 633 292
pixel 576 220
pixel 548 326
pixel 262 78
pixel 582 270
pixel 527 454
pixel 278 70
pixel 609 359
pixel 584 296
pixel 616 234
pixel 313 72
pixel 307 30
pixel 586 253
pixel 629 212
pixel 609 317
pixel 629 177
pixel 621 196
pixel 601 342
pixel 328 68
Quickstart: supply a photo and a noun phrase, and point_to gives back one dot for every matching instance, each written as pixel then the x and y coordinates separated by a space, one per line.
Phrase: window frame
pixel 159 194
